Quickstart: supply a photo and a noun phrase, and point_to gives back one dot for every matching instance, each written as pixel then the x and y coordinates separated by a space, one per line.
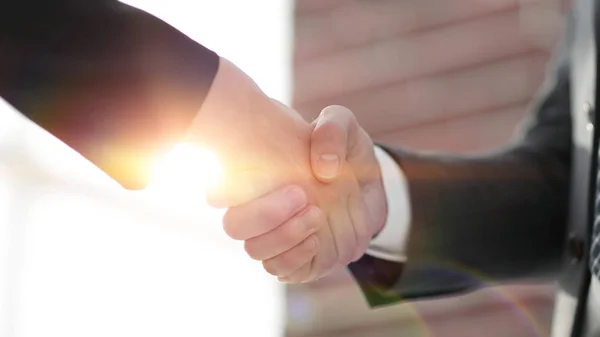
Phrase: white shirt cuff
pixel 390 244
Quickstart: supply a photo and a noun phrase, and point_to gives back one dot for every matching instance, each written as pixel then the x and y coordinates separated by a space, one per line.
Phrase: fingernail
pixel 329 165
pixel 296 199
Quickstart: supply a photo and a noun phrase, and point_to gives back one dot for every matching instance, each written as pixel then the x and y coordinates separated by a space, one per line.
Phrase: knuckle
pixel 337 110
pixel 251 250
pixel 299 228
pixel 294 277
pixel 312 220
pixel 294 232
pixel 346 256
pixel 301 275
pixel 315 223
pixel 278 265
pixel 270 267
pixel 230 224
pixel 311 273
pixel 311 245
pixel 330 129
pixel 324 269
pixel 331 263
pixel 339 116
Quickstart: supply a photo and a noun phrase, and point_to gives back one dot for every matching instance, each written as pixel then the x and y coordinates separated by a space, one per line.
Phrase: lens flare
pixel 181 178
pixel 185 167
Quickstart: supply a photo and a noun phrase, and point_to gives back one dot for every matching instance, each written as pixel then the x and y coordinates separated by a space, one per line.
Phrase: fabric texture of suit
pixel 521 213
pixel 113 82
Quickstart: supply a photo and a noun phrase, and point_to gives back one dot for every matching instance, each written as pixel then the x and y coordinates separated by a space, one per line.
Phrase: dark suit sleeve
pixel 484 219
pixel 113 82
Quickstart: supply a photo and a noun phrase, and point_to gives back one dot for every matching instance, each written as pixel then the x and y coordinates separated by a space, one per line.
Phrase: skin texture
pixel 260 142
pixel 304 230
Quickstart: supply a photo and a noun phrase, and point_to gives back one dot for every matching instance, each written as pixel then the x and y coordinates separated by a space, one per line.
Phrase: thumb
pixel 329 142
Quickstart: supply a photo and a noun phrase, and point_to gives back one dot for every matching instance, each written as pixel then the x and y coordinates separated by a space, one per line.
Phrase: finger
pixel 343 232
pixel 285 264
pixel 299 276
pixel 326 257
pixel 286 236
pixel 361 157
pixel 361 221
pixel 329 141
pixel 338 238
pixel 337 134
pixel 264 214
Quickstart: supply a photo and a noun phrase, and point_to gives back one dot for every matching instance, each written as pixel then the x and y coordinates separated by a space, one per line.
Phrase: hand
pixel 295 239
pixel 261 143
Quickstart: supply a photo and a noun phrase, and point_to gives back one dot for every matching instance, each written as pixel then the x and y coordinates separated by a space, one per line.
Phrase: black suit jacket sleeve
pixel 113 82
pixel 484 219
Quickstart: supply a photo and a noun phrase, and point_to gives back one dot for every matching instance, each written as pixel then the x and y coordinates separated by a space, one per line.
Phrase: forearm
pixel 501 216
pixel 120 87
pixel 474 221
pixel 236 112
pixel 483 219
pixel 115 83
pixel 261 143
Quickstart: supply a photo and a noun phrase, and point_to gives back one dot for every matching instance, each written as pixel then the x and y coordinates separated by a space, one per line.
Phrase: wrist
pixel 227 108
pixel 390 241
pixel 261 144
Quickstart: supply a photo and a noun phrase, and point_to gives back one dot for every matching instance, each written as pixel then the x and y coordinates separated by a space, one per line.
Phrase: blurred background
pixel 454 76
pixel 81 257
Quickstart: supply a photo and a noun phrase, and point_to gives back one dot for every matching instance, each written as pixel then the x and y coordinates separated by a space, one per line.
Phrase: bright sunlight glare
pixel 185 167
pixel 91 262
pixel 5 199
pixel 181 177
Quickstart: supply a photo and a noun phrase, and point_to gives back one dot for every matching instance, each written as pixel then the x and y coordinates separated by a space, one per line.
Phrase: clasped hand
pixel 319 209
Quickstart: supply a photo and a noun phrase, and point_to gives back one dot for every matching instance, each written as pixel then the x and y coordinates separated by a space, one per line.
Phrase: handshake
pixel 306 199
